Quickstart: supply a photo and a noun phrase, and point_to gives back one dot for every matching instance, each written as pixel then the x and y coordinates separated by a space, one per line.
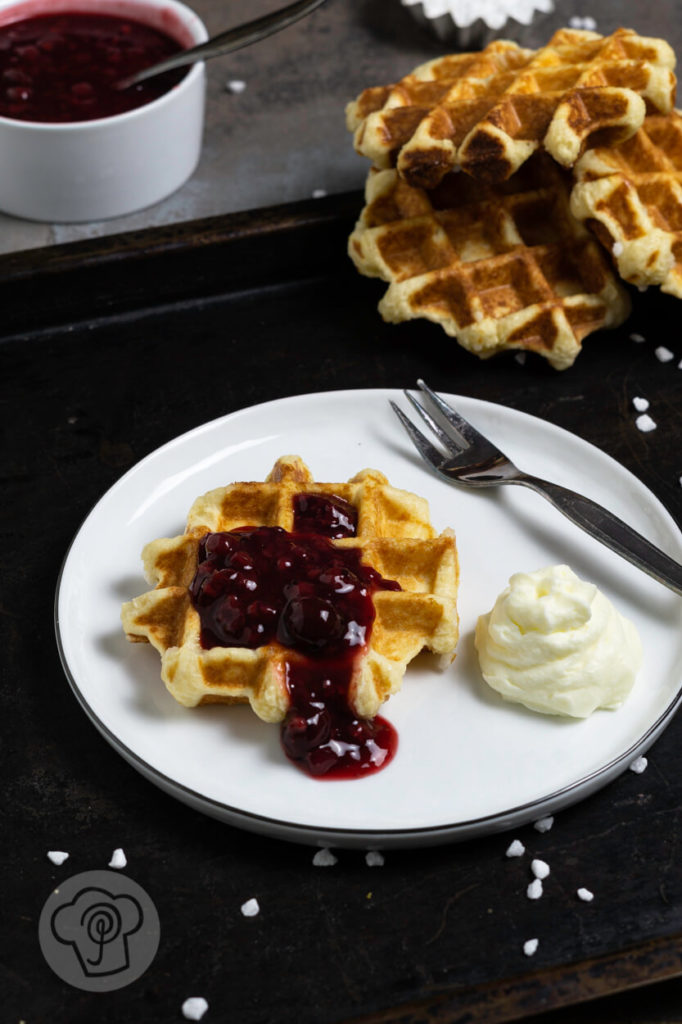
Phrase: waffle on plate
pixel 239 619
pixel 488 112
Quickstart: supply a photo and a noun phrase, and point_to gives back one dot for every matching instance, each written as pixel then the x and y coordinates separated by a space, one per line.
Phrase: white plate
pixel 467 763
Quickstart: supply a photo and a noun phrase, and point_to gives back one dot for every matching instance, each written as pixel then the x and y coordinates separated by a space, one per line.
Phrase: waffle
pixel 486 113
pixel 396 538
pixel 498 267
pixel 631 197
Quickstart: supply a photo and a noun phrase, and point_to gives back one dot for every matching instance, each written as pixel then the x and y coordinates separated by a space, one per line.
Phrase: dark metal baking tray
pixel 110 348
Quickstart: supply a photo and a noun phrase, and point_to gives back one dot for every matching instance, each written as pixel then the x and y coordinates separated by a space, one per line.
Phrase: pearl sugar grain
pixel 539 868
pixel 324 859
pixel 250 908
pixel 194 1008
pixel 118 859
pixel 588 24
pixel 645 423
pixel 534 890
pixel 57 856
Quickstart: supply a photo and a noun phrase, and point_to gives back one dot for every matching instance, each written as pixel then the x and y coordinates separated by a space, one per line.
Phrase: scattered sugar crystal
pixel 118 859
pixel 374 859
pixel 617 249
pixel 534 890
pixel 587 23
pixel 679 365
pixel 663 354
pixel 355 634
pixel 57 856
pixel 530 947
pixel 516 849
pixel 544 824
pixel 520 357
pixel 250 908
pixel 640 404
pixel 539 868
pixel 235 86
pixel 319 193
pixel 324 859
pixel 639 765
pixel 585 895
pixel 194 1008
pixel 645 423
pixel 637 338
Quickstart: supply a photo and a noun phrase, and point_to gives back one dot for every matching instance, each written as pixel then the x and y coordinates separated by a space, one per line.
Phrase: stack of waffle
pixel 578 135
pixel 396 538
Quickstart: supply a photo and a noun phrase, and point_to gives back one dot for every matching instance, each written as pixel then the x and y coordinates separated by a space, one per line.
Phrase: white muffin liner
pixel 471 24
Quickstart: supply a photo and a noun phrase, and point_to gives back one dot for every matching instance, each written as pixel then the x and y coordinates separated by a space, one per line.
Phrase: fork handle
pixel 609 529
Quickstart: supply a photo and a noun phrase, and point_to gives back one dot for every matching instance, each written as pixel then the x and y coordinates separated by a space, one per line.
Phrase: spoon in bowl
pixel 226 42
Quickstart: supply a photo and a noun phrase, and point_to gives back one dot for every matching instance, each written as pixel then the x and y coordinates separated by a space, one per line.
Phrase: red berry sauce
pixel 64 67
pixel 331 516
pixel 258 585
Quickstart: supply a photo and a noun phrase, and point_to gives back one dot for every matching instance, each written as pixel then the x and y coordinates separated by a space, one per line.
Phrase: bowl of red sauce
pixel 73 146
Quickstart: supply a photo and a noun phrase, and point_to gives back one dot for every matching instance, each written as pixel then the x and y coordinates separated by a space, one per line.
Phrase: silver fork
pixel 471 459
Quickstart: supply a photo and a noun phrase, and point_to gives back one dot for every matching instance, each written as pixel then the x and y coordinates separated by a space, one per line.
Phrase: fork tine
pixel 424 447
pixel 453 446
pixel 462 426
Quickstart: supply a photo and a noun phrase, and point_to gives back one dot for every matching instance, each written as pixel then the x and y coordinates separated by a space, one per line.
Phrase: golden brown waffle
pixel 396 538
pixel 488 112
pixel 631 197
pixel 498 267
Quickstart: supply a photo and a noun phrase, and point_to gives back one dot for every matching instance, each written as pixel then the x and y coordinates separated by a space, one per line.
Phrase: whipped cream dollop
pixel 557 645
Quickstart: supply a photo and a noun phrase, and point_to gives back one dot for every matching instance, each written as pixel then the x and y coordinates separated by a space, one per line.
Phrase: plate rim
pixel 309 834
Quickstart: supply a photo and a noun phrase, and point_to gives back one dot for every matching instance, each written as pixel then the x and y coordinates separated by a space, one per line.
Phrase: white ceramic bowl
pixel 92 170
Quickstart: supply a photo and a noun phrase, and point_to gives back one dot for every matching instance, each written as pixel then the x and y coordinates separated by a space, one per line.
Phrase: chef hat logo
pixel 97 925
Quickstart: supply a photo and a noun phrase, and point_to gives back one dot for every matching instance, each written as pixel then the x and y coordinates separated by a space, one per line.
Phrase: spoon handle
pixel 227 42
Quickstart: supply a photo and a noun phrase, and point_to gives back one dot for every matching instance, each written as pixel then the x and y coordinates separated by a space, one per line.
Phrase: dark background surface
pixel 110 349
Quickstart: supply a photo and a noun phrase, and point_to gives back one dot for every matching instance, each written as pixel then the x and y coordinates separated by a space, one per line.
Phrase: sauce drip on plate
pixel 260 585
